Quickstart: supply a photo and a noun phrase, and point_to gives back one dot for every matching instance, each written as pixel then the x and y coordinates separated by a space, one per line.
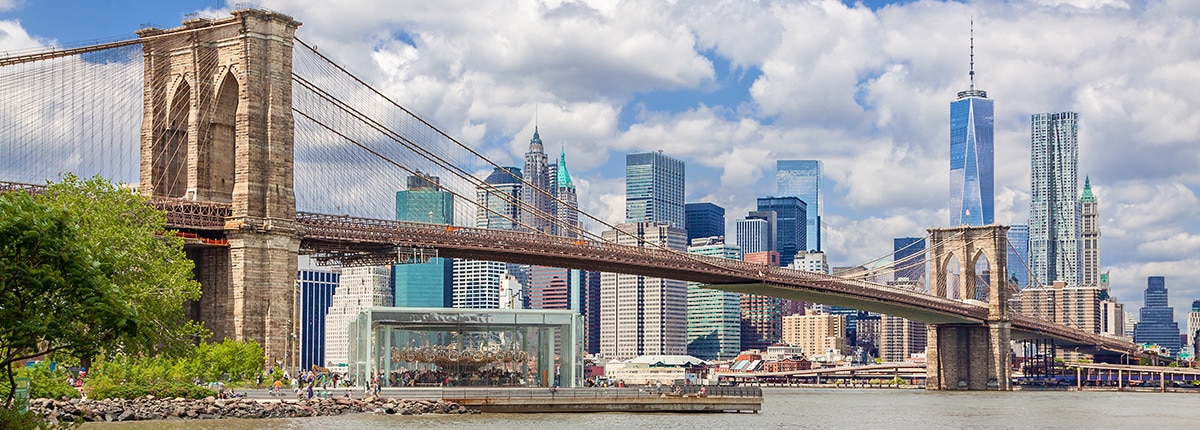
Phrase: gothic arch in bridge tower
pixel 973 250
pixel 222 140
pixel 978 286
pixel 171 148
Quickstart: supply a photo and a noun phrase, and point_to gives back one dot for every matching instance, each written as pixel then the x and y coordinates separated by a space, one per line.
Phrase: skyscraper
pixel 756 233
pixel 802 179
pixel 910 260
pixel 972 170
pixel 428 284
pixel 566 208
pixel 790 229
pixel 358 288
pixel 654 189
pixel 1193 324
pixel 537 213
pixel 1054 208
pixel 704 220
pixel 317 287
pixel 499 206
pixel 1156 323
pixel 713 316
pixel 477 283
pixel 1018 254
pixel 641 315
pixel 762 316
pixel 1089 228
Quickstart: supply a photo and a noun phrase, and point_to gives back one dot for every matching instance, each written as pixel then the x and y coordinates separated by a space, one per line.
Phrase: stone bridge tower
pixel 970 356
pixel 217 128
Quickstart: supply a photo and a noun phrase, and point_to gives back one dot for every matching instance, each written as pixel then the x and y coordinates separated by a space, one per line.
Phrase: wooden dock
pixel 568 400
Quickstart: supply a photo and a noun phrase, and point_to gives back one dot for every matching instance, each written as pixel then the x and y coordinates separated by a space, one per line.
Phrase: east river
pixel 802 409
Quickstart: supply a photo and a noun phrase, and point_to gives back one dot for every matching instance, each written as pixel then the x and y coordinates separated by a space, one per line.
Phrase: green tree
pixel 87 268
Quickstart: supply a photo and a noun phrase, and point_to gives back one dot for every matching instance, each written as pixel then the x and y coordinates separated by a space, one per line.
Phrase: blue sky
pixel 730 87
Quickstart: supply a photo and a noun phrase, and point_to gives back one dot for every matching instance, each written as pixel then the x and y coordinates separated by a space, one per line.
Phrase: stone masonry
pixel 970 356
pixel 217 127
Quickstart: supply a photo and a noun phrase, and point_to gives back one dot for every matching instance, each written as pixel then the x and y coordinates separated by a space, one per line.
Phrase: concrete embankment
pixel 151 408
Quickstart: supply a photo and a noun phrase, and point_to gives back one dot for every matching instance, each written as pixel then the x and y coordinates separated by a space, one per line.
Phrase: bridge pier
pixel 968 357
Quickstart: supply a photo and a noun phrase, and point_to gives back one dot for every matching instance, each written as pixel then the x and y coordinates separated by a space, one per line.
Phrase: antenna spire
pixel 972 54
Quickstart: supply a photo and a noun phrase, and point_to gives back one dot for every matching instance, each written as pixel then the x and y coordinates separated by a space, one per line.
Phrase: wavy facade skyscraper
pixel 1054 206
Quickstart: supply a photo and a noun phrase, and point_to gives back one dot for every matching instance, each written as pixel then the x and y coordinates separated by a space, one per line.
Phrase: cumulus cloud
pixel 866 91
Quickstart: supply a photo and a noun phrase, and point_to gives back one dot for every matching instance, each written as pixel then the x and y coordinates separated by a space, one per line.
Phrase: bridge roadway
pixel 347 238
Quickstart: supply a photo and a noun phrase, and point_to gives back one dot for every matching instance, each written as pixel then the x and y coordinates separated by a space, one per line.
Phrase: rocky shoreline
pixel 151 408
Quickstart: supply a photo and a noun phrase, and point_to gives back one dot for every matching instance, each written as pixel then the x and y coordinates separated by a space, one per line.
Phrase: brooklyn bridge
pixel 254 143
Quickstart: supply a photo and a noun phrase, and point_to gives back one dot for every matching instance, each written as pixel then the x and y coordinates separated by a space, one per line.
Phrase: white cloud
pixel 865 91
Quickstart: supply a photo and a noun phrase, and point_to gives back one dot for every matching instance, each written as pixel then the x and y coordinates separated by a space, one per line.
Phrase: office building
pixel 1074 306
pixel 1054 208
pixel 477 283
pixel 900 338
pixel 1089 230
pixel 589 285
pixel 642 315
pixel 802 179
pixel 762 316
pixel 537 214
pixel 756 234
pixel 1112 317
pixel 317 286
pixel 909 263
pixel 654 189
pixel 972 169
pixel 790 219
pixel 816 334
pixel 424 283
pixel 512 293
pixel 704 220
pixel 713 316
pixel 1018 255
pixel 358 288
pixel 499 200
pixel 1193 326
pixel 566 208
pixel 1156 322
pixel 811 262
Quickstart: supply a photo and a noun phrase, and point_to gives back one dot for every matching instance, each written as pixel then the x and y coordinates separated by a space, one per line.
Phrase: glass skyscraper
pixel 1018 254
pixel 972 170
pixel 1054 208
pixel 428 284
pixel 316 294
pixel 910 258
pixel 802 179
pixel 654 189
pixel 704 220
pixel 790 230
pixel 1156 322
pixel 714 330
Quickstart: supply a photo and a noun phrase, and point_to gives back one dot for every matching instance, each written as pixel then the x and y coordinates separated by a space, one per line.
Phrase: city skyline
pixel 730 106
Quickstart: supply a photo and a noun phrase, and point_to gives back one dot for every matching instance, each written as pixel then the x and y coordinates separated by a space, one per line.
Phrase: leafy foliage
pixel 164 376
pixel 43 382
pixel 13 420
pixel 85 270
pixel 232 360
pixel 157 389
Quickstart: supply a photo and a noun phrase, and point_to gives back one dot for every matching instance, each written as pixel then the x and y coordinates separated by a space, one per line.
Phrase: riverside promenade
pixel 543 400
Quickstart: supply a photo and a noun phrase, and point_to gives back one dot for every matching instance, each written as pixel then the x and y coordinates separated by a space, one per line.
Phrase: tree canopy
pixel 87 269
